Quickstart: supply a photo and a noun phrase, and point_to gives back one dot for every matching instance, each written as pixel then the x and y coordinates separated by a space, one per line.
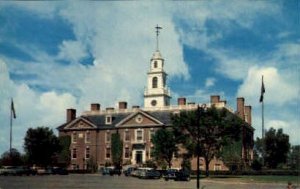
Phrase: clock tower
pixel 156 93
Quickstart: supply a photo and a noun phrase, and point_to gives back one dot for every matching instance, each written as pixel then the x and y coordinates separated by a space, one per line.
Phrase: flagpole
pixel 10 139
pixel 262 120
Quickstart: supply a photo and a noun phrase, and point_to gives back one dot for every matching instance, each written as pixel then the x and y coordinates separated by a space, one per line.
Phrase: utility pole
pixel 198 146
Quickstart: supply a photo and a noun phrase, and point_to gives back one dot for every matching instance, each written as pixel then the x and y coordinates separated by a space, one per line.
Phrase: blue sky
pixel 57 55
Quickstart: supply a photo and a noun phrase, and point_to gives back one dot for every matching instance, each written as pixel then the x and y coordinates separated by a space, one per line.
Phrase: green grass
pixel 257 179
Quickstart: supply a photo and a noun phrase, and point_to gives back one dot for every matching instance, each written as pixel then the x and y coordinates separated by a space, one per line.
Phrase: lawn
pixel 256 179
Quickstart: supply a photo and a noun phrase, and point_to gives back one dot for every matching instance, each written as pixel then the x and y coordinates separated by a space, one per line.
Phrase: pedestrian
pixel 290 186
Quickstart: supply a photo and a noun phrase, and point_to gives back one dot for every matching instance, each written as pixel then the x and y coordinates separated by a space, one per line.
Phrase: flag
pixel 12 108
pixel 262 91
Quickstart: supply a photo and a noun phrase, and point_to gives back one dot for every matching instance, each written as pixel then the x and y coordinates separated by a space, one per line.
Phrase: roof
pixel 163 117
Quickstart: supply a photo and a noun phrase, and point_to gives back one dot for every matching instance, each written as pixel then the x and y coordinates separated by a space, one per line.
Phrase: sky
pixel 63 54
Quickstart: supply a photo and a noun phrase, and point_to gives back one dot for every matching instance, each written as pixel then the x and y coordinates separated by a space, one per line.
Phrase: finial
pixel 157 33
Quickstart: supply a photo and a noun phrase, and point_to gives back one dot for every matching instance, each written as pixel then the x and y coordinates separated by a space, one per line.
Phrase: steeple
pixel 156 94
pixel 157 33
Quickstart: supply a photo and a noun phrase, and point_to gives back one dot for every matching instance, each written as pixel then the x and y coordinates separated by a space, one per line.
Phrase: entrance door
pixel 139 157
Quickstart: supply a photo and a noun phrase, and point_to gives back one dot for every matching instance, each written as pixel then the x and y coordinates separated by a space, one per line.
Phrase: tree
pixel 116 149
pixel 64 155
pixel 294 157
pixel 217 128
pixel 277 147
pixel 231 156
pixel 164 145
pixel 41 145
pixel 12 157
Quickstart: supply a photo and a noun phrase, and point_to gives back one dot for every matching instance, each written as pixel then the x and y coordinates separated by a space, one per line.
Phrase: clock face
pixel 153 102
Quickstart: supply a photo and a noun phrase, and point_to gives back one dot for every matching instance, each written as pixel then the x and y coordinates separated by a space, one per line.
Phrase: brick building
pixel 91 132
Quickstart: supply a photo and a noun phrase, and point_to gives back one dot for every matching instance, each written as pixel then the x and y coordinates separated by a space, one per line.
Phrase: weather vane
pixel 157 33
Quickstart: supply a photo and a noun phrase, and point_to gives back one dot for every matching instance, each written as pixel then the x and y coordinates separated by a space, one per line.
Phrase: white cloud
pixel 32 108
pixel 210 82
pixel 73 51
pixel 279 91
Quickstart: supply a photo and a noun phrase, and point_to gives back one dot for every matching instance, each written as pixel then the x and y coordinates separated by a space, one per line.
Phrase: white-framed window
pixel 74 153
pixel 107 152
pixel 108 119
pixel 217 167
pixel 87 152
pixel 107 136
pixel 74 137
pixel 126 152
pixel 151 133
pixel 87 137
pixel 139 135
pixel 126 135
pixel 154 82
pixel 155 64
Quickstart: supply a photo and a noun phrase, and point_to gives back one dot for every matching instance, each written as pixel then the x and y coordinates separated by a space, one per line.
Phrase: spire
pixel 157 33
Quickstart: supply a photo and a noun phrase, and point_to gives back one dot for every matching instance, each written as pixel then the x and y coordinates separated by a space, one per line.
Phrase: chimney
pixel 122 105
pixel 181 101
pixel 135 107
pixel 95 107
pixel 71 114
pixel 240 107
pixel 248 116
pixel 214 99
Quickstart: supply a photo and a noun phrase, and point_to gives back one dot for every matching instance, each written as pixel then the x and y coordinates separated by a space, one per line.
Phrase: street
pixel 96 181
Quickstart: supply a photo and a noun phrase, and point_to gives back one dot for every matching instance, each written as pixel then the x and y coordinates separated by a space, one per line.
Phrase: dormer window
pixel 108 120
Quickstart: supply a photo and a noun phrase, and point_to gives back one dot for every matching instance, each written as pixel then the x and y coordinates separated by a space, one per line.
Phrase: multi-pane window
pixel 87 152
pixel 154 82
pixel 151 133
pixel 139 135
pixel 74 153
pixel 127 135
pixel 107 152
pixel 107 137
pixel 108 119
pixel 74 137
pixel 126 152
pixel 87 137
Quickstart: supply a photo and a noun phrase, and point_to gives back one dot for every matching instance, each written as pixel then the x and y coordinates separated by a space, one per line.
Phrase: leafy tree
pixel 64 155
pixel 11 158
pixel 277 147
pixel 164 145
pixel 217 128
pixel 294 157
pixel 116 149
pixel 231 156
pixel 41 145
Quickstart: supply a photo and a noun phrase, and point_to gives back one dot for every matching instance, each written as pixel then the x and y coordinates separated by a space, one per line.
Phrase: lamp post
pixel 199 109
pixel 198 146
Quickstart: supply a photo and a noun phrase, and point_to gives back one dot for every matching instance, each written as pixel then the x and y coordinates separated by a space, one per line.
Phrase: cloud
pixel 32 108
pixel 210 82
pixel 279 90
pixel 72 51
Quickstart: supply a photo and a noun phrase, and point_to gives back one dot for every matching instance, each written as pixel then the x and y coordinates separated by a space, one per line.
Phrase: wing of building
pixel 91 131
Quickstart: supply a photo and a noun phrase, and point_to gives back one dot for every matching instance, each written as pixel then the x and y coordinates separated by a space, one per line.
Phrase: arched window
pixel 154 82
pixel 155 64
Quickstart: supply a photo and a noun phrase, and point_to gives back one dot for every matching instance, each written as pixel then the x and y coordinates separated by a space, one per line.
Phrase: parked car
pixel 181 175
pixel 59 171
pixel 170 174
pixel 106 170
pixel 44 171
pixel 129 170
pixel 115 171
pixel 149 174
